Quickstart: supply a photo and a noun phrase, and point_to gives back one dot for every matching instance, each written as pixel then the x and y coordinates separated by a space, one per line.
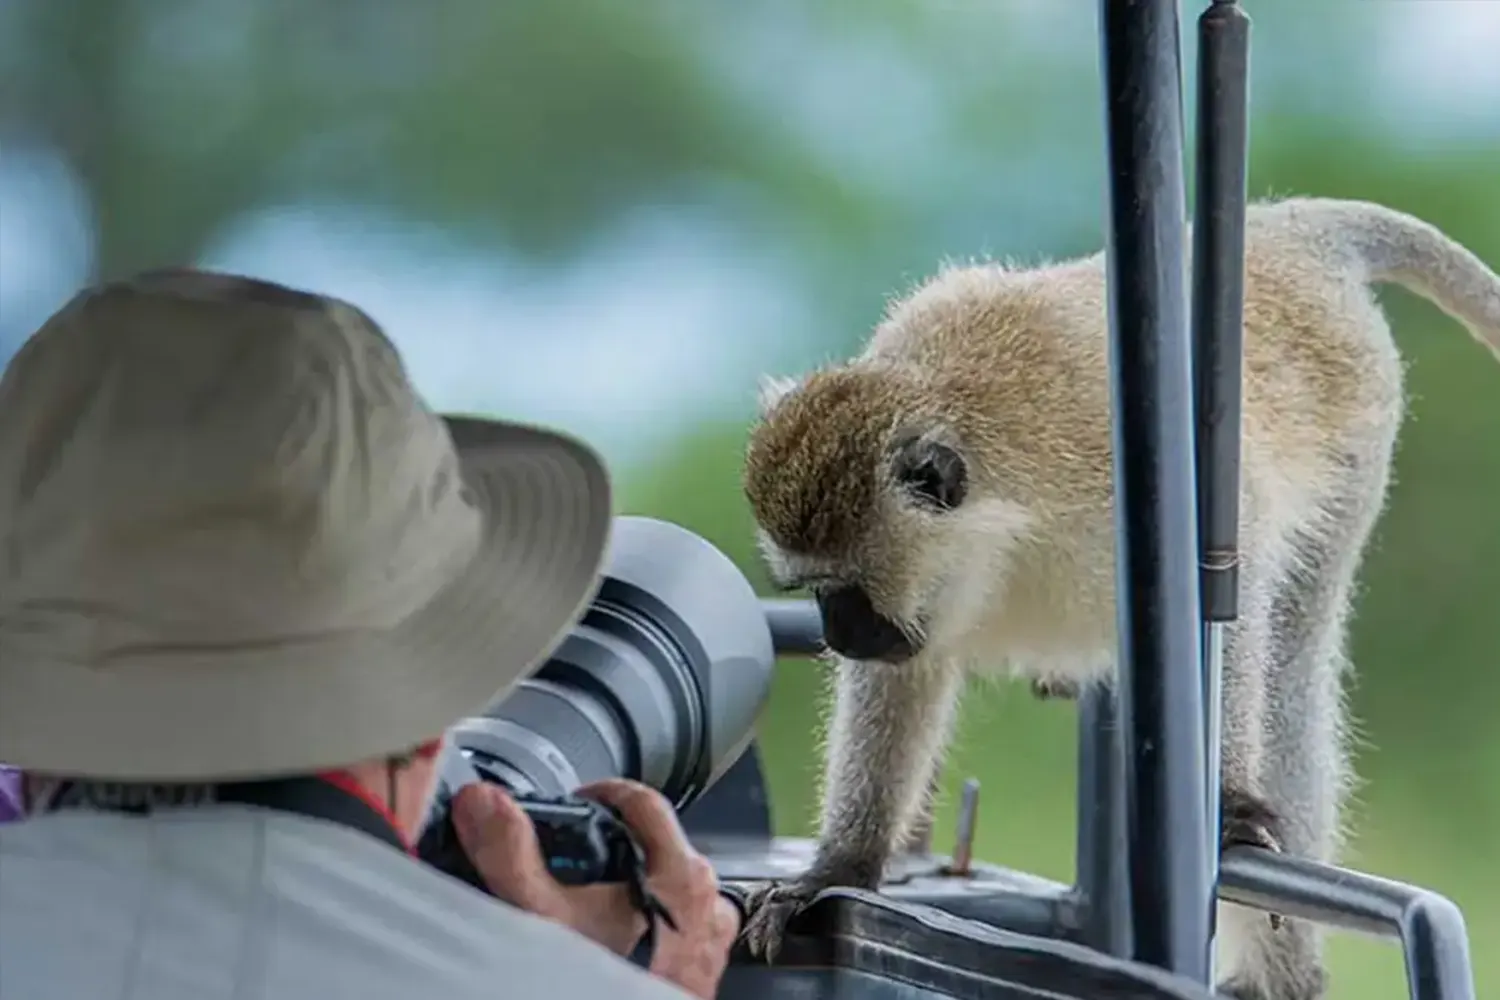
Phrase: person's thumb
pixel 499 839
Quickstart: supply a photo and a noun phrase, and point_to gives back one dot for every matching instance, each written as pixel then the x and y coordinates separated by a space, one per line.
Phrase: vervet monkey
pixel 948 498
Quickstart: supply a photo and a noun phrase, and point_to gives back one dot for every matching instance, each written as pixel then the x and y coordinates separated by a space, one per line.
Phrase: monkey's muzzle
pixel 854 629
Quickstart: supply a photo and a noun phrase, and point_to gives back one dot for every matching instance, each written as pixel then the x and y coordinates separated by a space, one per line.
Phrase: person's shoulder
pixel 481 945
pixel 520 952
pixel 347 909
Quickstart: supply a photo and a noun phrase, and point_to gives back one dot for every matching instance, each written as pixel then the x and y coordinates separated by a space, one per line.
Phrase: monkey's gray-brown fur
pixel 948 496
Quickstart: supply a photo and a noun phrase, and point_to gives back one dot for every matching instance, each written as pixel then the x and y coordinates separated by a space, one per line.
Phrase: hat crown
pixel 191 458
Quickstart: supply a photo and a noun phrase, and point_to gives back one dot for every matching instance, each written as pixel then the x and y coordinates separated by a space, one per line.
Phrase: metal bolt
pixel 968 821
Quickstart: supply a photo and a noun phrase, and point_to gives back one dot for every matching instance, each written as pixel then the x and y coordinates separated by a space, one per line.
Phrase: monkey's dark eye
pixel 933 474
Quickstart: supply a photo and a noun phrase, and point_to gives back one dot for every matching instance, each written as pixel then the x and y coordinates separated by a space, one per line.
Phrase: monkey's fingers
pixel 770 909
pixel 764 931
pixel 1249 821
pixel 1055 689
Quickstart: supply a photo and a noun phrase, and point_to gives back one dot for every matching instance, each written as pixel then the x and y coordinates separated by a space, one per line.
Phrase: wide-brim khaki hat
pixel 235 543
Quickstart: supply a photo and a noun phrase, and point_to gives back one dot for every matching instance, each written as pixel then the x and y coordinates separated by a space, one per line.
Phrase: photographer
pixel 248 579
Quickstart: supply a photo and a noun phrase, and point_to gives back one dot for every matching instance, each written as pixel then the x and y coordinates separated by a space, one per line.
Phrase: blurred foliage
pixel 533 125
pixel 533 120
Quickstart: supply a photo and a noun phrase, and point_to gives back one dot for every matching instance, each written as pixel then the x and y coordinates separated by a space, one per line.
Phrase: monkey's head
pixel 865 494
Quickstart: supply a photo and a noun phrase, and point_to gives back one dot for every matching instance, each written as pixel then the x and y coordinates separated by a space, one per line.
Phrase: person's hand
pixel 502 844
pixel 696 954
pixel 499 839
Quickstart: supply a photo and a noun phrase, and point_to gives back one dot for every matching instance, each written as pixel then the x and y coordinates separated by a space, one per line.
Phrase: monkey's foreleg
pixel 889 728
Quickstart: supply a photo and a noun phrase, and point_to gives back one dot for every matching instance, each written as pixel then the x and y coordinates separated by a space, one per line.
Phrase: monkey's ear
pixel 774 388
pixel 932 474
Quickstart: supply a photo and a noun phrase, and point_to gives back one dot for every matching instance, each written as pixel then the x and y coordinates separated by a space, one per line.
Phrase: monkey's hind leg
pixel 889 728
pixel 1305 770
pixel 1246 812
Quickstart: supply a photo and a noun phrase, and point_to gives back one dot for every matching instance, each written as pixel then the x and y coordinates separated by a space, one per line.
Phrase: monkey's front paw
pixel 1055 689
pixel 1248 820
pixel 768 910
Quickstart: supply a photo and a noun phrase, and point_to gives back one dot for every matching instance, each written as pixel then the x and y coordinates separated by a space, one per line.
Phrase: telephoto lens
pixel 661 680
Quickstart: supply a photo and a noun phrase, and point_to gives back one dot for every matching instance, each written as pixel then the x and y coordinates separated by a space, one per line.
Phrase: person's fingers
pixel 499 839
pixel 696 960
pixel 729 920
pixel 717 925
pixel 650 818
pixel 608 915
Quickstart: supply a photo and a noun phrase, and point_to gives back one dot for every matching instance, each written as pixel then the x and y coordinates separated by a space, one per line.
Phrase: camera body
pixel 582 842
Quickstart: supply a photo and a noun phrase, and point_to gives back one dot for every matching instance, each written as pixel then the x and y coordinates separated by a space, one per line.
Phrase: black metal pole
pixel 1161 680
pixel 1102 879
pixel 1218 342
pixel 1219 294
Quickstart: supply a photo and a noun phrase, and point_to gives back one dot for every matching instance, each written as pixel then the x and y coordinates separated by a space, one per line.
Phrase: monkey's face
pixel 870 505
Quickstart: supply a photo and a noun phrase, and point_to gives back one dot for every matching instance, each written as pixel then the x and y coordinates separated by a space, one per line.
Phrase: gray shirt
pixel 237 903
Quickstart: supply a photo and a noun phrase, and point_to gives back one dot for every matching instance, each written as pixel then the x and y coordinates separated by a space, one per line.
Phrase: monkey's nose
pixel 853 628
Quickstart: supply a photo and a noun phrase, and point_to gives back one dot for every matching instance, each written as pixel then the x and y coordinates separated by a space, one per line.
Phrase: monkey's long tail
pixel 1391 246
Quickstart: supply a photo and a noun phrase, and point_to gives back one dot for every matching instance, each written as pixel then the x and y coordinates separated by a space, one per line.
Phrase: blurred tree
pixel 527 121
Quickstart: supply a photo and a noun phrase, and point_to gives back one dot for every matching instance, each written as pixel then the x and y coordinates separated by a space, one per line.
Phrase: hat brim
pixel 237 713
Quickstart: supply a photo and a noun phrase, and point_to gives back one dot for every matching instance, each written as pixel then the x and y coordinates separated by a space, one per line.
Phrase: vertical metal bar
pixel 1213 736
pixel 1218 342
pixel 1102 880
pixel 1436 944
pixel 1161 680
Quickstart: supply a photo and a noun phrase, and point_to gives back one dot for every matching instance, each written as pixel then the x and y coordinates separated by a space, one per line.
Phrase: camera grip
pixel 440 848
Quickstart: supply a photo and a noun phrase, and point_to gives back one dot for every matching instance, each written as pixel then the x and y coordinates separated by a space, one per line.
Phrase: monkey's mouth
pixel 853 628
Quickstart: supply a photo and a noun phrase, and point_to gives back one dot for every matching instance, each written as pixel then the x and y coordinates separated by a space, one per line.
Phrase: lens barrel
pixel 661 681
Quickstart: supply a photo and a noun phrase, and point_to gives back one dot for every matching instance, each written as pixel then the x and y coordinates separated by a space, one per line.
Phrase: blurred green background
pixel 612 216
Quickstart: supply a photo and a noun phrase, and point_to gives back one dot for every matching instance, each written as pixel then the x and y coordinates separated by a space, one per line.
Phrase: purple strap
pixel 10 794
